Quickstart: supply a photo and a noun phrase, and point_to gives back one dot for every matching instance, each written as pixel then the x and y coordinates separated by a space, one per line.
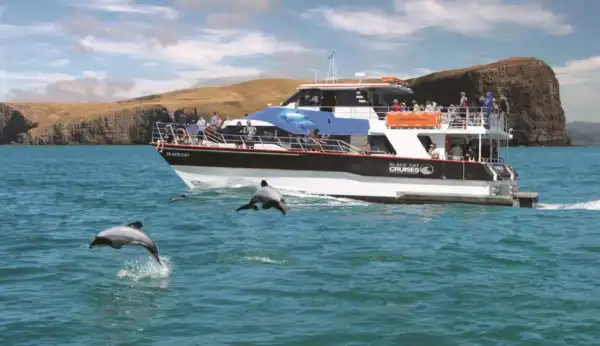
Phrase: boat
pixel 365 149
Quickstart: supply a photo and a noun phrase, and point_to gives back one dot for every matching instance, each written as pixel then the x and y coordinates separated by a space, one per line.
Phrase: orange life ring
pixel 182 129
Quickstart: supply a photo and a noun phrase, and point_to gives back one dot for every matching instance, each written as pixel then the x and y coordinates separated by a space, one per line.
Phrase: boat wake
pixel 139 270
pixel 299 198
pixel 590 205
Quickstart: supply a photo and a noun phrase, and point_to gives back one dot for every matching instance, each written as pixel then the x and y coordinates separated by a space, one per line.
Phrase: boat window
pixel 310 98
pixel 295 97
pixel 350 98
pixel 425 141
pixel 381 144
pixel 328 100
pixel 384 97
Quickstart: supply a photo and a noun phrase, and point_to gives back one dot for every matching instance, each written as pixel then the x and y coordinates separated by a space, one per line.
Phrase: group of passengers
pixel 468 151
pixel 458 115
pixel 429 107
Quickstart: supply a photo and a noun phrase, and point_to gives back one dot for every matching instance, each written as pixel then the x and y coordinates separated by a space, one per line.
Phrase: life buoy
pixel 184 132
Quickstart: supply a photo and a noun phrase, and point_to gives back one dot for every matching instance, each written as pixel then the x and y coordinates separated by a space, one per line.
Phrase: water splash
pixel 148 269
pixel 590 205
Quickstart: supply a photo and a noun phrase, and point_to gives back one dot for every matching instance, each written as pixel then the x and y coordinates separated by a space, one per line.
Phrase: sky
pixel 104 50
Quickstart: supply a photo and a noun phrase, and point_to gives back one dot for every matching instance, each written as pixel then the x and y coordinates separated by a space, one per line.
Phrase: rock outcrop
pixel 14 126
pixel 129 126
pixel 530 85
pixel 536 113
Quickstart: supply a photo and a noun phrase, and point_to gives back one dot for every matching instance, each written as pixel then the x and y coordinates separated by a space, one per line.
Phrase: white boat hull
pixel 333 183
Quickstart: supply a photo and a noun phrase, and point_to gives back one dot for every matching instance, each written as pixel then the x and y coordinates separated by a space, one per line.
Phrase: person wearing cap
pixel 396 106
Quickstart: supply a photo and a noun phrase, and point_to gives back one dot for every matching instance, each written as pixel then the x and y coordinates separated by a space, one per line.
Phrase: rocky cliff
pixel 530 85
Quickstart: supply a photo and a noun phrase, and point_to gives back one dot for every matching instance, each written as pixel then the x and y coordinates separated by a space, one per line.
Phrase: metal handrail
pixel 453 117
pixel 168 133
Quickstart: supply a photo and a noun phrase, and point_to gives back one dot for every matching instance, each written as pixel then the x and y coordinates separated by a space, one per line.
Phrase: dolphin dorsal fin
pixel 135 224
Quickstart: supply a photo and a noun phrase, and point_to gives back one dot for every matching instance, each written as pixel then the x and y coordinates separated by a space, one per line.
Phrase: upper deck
pixel 374 101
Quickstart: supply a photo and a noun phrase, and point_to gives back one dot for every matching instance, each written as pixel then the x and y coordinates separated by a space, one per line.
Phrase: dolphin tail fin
pixel 247 206
pixel 158 260
pixel 277 205
pixel 154 252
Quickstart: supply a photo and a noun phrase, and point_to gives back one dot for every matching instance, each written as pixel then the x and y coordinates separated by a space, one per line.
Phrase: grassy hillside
pixel 232 100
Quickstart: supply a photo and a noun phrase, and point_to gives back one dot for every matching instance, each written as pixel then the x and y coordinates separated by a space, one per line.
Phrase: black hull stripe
pixel 364 165
pixel 298 152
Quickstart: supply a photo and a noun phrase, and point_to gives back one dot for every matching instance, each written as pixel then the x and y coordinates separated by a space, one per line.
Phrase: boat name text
pixel 410 168
pixel 177 154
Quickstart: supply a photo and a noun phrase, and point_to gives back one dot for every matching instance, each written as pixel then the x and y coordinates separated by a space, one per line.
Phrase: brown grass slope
pixel 227 100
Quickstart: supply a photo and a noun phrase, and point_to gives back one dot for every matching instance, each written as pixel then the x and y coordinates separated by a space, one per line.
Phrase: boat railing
pixel 210 136
pixel 440 118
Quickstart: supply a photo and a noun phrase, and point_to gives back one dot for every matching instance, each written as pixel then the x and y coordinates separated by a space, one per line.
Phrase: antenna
pixel 316 73
pixel 331 69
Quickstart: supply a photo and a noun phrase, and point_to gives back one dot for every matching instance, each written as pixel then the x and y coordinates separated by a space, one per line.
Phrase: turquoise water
pixel 331 272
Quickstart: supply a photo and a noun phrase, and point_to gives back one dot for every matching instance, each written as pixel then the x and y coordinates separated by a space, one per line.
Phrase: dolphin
pixel 268 196
pixel 130 234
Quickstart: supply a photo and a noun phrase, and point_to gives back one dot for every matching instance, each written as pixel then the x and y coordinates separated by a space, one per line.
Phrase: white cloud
pixel 125 6
pixel 11 31
pixel 579 87
pixel 59 63
pixel 199 59
pixel 90 86
pixel 468 17
pixel 576 72
pixel 33 76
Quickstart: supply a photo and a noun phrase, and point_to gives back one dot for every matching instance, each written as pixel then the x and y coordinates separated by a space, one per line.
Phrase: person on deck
pixel 250 132
pixel 396 106
pixel 215 119
pixel 487 108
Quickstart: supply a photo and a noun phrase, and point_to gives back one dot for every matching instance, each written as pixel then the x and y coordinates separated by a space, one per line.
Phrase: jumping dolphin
pixel 130 234
pixel 268 196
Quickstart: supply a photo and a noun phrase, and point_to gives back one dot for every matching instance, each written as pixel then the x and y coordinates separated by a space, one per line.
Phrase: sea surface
pixel 331 272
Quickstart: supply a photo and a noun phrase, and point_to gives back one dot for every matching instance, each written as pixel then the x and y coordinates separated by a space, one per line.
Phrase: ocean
pixel 331 272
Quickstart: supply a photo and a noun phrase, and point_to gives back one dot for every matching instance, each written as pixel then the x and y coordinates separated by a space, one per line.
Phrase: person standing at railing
pixel 250 131
pixel 487 109
pixel 396 106
pixel 504 110
pixel 215 119
pixel 415 106
pixel 429 107
pixel 201 123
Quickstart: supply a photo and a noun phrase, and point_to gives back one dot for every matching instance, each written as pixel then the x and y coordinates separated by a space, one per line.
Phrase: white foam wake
pixel 148 269
pixel 332 200
pixel 591 205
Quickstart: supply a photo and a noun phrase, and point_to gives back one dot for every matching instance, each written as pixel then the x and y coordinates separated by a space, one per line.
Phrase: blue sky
pixel 95 50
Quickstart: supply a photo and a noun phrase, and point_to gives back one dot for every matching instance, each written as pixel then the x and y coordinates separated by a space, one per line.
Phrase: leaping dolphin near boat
pixel 268 196
pixel 130 234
